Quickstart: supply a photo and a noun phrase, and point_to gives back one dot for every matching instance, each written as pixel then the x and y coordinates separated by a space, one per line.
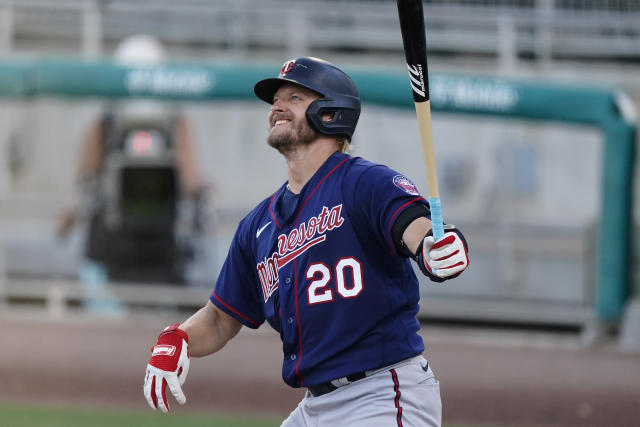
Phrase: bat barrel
pixel 411 16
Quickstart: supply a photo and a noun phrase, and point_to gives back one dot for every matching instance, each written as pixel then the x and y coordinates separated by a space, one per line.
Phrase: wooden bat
pixel 415 50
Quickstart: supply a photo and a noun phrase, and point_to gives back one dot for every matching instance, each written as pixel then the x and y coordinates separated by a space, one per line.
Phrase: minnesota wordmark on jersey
pixel 292 245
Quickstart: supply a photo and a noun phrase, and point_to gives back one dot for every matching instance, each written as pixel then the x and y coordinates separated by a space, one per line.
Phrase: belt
pixel 329 386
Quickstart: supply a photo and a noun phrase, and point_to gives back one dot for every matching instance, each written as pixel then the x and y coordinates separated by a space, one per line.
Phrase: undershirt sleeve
pixel 405 218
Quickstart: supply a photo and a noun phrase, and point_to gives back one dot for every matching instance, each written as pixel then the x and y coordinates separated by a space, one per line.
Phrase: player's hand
pixel 169 365
pixel 448 257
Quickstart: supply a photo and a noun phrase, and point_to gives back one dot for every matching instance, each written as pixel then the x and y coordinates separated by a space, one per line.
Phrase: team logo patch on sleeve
pixel 405 184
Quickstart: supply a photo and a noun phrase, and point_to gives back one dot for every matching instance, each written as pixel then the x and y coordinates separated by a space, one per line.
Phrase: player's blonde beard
pixel 300 134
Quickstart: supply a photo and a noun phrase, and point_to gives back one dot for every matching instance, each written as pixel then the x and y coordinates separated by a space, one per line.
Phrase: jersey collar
pixel 308 190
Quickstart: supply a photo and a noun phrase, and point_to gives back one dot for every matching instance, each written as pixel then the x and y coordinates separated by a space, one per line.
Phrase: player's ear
pixel 328 116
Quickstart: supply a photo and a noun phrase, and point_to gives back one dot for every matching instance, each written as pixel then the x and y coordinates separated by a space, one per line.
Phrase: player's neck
pixel 304 161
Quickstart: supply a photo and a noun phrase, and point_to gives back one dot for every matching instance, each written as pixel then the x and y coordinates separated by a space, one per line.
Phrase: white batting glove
pixel 447 258
pixel 169 365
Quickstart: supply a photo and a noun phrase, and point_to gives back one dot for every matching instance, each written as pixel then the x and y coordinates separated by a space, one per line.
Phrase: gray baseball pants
pixel 406 394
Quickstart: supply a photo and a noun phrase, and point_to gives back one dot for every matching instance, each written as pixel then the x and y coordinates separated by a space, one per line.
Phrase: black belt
pixel 328 387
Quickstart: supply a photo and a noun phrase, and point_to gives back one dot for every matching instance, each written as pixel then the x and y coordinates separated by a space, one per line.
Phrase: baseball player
pixel 326 260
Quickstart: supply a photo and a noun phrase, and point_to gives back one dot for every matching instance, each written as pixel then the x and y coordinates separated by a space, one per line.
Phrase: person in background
pixel 104 138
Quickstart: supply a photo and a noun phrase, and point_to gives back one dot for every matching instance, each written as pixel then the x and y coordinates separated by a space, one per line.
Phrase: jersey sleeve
pixel 236 290
pixel 381 194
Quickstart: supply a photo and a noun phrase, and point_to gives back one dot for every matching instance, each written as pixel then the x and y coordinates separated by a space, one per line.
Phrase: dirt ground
pixel 487 377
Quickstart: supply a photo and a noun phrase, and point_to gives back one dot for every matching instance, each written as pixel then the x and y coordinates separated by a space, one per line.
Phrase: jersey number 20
pixel 320 276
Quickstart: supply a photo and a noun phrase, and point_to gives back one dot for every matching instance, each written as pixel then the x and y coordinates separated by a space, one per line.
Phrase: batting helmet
pixel 339 95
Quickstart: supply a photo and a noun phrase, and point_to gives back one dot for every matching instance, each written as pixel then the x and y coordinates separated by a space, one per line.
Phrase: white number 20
pixel 320 275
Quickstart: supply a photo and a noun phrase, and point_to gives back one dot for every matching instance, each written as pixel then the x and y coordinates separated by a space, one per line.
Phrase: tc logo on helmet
pixel 286 67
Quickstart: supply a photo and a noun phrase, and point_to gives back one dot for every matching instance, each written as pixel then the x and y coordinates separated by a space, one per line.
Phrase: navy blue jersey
pixel 327 277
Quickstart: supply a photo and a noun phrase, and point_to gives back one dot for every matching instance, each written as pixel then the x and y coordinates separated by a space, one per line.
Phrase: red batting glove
pixel 169 364
pixel 447 258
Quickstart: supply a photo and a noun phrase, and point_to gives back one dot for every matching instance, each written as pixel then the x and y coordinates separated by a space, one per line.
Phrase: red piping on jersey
pixel 271 210
pixel 295 269
pixel 396 401
pixel 228 307
pixel 391 245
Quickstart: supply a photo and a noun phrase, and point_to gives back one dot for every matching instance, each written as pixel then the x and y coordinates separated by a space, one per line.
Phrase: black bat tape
pixel 411 17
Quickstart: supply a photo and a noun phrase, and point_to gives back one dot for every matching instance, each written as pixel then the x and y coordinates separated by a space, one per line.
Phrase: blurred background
pixel 131 145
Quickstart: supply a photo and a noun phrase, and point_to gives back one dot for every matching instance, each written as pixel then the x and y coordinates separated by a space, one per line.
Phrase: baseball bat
pixel 414 41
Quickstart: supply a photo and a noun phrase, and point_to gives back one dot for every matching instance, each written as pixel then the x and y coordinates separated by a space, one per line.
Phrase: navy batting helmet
pixel 339 95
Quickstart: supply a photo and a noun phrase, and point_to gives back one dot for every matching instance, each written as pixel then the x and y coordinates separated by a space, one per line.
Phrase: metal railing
pixel 59 297
pixel 545 29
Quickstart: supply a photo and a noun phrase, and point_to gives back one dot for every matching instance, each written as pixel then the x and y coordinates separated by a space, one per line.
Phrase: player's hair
pixel 343 145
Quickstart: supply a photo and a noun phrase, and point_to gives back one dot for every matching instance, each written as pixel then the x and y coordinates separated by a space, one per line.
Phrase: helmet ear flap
pixel 343 110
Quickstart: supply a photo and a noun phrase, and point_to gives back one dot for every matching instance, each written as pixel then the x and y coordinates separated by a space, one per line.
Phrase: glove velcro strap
pixel 174 329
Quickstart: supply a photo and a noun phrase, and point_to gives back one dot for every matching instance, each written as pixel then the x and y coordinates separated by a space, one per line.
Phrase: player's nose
pixel 277 106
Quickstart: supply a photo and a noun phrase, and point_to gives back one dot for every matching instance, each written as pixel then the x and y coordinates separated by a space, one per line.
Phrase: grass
pixel 40 416
pixel 21 415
